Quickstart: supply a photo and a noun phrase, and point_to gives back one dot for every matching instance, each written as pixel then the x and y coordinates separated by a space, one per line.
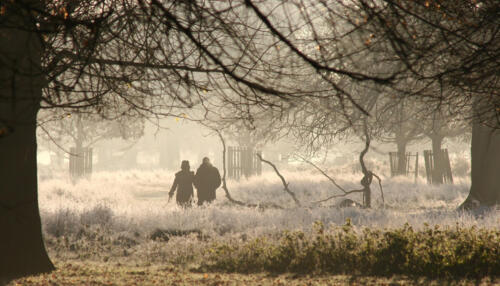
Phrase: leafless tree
pixel 235 60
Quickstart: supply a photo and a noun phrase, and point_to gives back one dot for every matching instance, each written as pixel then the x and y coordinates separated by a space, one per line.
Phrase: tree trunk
pixel 485 166
pixel 22 250
pixel 438 171
pixel 401 157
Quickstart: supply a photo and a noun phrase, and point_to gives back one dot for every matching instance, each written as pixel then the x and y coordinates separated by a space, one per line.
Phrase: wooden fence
pixel 242 161
pixel 443 174
pixel 80 162
pixel 394 159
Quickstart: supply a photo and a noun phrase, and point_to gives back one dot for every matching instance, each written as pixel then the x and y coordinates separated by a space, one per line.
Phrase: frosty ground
pixel 123 220
pixel 138 201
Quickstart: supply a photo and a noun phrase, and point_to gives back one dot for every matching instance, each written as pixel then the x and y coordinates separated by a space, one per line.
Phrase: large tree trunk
pixel 485 167
pixel 22 251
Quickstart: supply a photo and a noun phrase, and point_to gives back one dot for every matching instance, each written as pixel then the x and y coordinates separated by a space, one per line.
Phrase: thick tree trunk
pixel 485 167
pixel 438 172
pixel 22 251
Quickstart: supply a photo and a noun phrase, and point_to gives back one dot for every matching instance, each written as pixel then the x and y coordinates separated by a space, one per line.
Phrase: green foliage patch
pixel 432 252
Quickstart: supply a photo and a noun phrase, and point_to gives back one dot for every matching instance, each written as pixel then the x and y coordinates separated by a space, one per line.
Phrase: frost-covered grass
pixel 138 200
pixel 125 217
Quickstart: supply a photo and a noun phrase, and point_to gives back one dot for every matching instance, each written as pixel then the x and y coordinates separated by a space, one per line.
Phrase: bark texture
pixel 485 167
pixel 22 251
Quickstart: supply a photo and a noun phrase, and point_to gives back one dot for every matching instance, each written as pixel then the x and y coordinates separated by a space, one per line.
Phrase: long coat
pixel 184 184
pixel 207 180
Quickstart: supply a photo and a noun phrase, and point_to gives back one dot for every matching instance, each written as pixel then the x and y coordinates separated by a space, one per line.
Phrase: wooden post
pixel 446 176
pixel 242 161
pixel 429 165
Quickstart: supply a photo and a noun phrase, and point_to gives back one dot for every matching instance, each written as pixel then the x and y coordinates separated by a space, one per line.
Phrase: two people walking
pixel 206 180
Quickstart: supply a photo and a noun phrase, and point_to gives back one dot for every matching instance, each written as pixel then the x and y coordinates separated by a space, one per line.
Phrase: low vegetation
pixel 128 234
pixel 431 252
pixel 93 273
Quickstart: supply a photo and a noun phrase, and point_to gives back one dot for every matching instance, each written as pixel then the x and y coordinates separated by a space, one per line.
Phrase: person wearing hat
pixel 183 183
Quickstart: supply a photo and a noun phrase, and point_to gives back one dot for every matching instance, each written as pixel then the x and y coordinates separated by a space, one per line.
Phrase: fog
pixel 133 186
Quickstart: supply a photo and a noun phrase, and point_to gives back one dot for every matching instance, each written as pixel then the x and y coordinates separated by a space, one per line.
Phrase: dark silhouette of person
pixel 183 183
pixel 206 181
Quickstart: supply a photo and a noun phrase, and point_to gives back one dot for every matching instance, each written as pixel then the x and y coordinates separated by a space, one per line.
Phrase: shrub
pixel 61 222
pixel 432 252
pixel 98 215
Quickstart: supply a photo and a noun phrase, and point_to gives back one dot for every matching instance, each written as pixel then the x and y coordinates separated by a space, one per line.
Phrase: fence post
pixel 241 161
pixel 80 162
pixel 446 175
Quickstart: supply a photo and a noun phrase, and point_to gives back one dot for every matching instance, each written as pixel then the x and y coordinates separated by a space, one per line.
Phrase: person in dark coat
pixel 206 181
pixel 183 183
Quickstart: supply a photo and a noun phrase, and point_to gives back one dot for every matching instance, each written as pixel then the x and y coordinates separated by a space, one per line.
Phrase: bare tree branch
pixel 55 143
pixel 224 184
pixel 322 172
pixel 338 196
pixel 285 184
pixel 380 186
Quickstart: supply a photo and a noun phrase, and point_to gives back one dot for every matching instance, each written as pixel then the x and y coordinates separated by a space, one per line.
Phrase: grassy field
pixel 99 273
pixel 119 229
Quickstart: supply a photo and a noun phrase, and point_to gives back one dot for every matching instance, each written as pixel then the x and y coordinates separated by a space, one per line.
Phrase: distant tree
pixel 449 48
pixel 446 48
pixel 401 123
pixel 234 60
pixel 85 130
pixel 438 128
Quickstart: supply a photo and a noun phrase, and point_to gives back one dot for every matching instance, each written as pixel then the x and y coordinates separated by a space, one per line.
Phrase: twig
pixel 367 175
pixel 57 144
pixel 339 196
pixel 285 184
pixel 380 186
pixel 322 172
pixel 345 193
pixel 224 185
pixel 262 205
pixel 365 181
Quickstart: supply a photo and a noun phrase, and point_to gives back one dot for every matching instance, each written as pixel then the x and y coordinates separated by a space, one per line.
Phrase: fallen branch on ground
pixel 224 184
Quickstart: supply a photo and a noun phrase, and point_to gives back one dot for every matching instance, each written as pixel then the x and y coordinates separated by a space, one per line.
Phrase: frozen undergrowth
pixel 137 200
